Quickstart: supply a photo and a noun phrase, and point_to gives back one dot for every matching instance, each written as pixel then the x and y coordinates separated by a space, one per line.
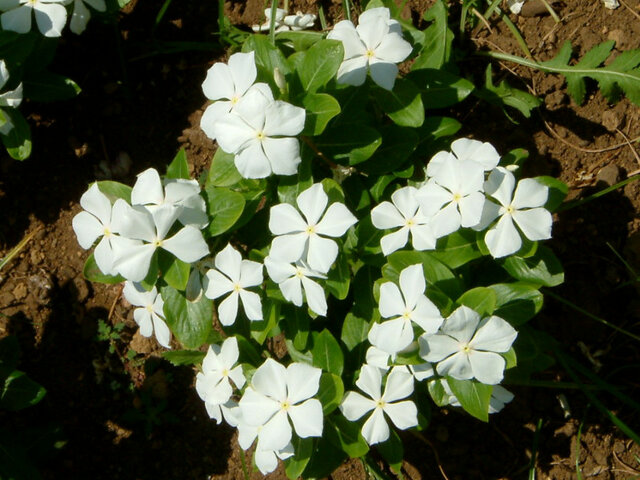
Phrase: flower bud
pixel 280 80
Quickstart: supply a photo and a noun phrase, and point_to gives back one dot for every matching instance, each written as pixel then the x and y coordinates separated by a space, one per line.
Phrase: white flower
pixel 138 225
pixel 11 98
pixel 374 45
pixel 304 238
pixel 293 279
pixel 403 414
pixel 466 149
pixel 469 348
pixel 409 306
pixel 95 222
pixel 453 197
pixel 515 6
pixel 226 84
pixel 265 459
pixel 235 275
pixel 81 14
pixel 500 396
pixel 524 207
pixel 300 21
pixel 278 20
pixel 405 213
pixel 276 395
pixel 378 358
pixel 177 192
pixel 149 316
pixel 260 133
pixel 51 16
pixel 213 384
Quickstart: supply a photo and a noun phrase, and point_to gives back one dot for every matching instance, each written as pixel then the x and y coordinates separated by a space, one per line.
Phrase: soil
pixel 126 414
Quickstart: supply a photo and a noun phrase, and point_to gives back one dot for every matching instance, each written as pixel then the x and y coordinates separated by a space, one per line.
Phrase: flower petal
pixel 96 203
pixel 461 324
pixel 355 405
pixel 384 74
pixel 87 229
pixel 257 408
pixel 434 348
pixel 535 223
pixel 530 194
pixel 143 318
pixel 217 284
pixel 303 382
pixel 17 20
pixel 487 367
pixel 289 248
pixel 219 82
pixel 284 218
pixel 229 262
pixel 252 305
pixel 163 334
pixel 211 115
pixel 391 336
pixel 370 381
pixel 346 32
pixel 252 161
pixel 283 119
pixel 353 71
pixel 375 429
pixel 276 433
pixel 471 208
pixel 250 274
pixel 391 302
pixel 188 245
pixel 336 221
pixel 386 215
pixel 422 237
pixel 503 239
pixel 456 366
pixel 242 67
pixel 50 18
pixel 403 414
pixel 412 285
pixel 322 253
pixel 292 290
pixel 132 258
pixel 394 241
pixel 483 153
pixel 500 185
pixel 399 384
pixel 283 155
pixel 270 380
pixel 278 270
pixel 312 203
pixel 426 315
pixel 393 48
pixel 494 335
pixel 148 189
pixel 228 309
pixel 314 294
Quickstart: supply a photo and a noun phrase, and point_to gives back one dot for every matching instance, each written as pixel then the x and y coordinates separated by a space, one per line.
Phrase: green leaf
pixel 268 58
pixel 92 273
pixel 440 88
pixel 437 392
pixel 339 278
pixel 115 190
pixel 174 271
pixel 403 104
pixel 179 168
pixel 457 249
pixel 297 327
pixel 183 357
pixel 327 353
pixel 438 39
pixel 543 268
pixel 557 192
pixel 290 186
pixel 354 331
pixel 223 171
pixel 295 465
pixel 20 392
pixel 517 302
pixel 504 95
pixel 320 64
pixel 299 41
pixel 321 108
pixel 248 352
pixel 325 460
pixel 346 435
pixel 510 358
pixel 260 329
pixel 398 143
pixel 473 396
pixel 352 144
pixel 50 87
pixel 190 322
pixel 330 392
pixel 481 299
pixel 392 451
pixel 18 140
pixel 224 207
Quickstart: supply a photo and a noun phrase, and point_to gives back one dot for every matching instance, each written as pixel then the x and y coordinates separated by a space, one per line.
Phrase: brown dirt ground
pixel 145 105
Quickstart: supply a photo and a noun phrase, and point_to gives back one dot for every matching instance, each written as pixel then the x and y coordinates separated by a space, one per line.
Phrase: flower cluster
pixel 50 15
pixel 284 22
pixel 10 98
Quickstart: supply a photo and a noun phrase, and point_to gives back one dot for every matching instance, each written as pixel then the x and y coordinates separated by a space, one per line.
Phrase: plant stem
pixel 534 451
pixel 346 6
pixel 582 201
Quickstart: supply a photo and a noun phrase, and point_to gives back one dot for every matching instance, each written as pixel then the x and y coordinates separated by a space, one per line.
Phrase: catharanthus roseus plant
pixel 393 265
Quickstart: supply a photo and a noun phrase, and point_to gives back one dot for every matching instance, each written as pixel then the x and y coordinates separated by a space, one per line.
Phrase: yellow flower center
pixel 380 403
pixel 260 135
pixel 157 243
pixel 457 197
pixel 311 229
pixel 510 209
pixel 237 287
pixel 406 315
pixel 370 53
pixel 149 308
pixel 466 348
pixel 410 223
pixel 285 405
pixel 106 232
pixel 234 99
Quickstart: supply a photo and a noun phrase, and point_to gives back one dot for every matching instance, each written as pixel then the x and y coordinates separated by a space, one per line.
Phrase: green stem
pixel 534 450
pixel 243 460
pixel 272 23
pixel 582 201
pixel 346 6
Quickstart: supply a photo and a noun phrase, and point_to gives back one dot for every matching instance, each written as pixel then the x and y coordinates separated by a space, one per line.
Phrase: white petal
pixel 355 405
pixel 393 48
pixel 353 71
pixel 347 34
pixel 307 418
pixel 276 433
pixel 278 270
pixel 530 194
pixel 229 262
pixel 375 429
pixel 147 189
pixel 500 185
pixel 50 18
pixel 292 290
pixel 391 302
pixel 336 221
pixel 394 241
pixel 132 259
pixel 406 202
pixel 164 216
pixel 426 315
pixel 283 119
pixel 370 381
pixel 289 248
pixel 283 155
pixel 322 253
pixel 12 98
pixel 471 208
pixel 399 384
pixel 17 20
pixel 535 223
pixel 252 305
pixel 436 161
pixel 104 256
pixel 386 215
pixel 378 358
pixel 432 196
pixel 434 348
pixel 412 285
pixel 134 223
pixel 483 153
pixel 403 414
pixel 163 334
pixel 252 161
pixel 97 203
pixel 372 32
pixel 312 203
pixel 422 237
pixel 219 82
pixel 250 274
pixel 303 382
pixel 217 284
pixel 494 335
pixel 383 73
pixel 487 367
pixel 391 336
pixel 79 18
pixel 456 366
pixel 143 318
pixel 503 239
pixel 87 228
pixel 284 218
pixel 137 295
pixel 253 106
pixel 233 133
pixel 188 245
pixel 270 380
pixel 256 408
pixel 315 296
pixel 228 309
pixel 446 221
pixel 211 115
pixel 242 67
pixel 265 460
pixel 461 324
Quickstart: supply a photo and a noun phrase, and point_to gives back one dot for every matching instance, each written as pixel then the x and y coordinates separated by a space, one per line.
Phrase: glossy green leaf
pixel 183 357
pixel 437 392
pixel 300 40
pixel 557 192
pixel 50 87
pixel 339 278
pixel 543 268
pixel 330 392
pixel 436 272
pixel 295 465
pixel 481 299
pixel 438 39
pixel 403 104
pixel 346 436
pixel 517 302
pixel 19 392
pixel 290 186
pixel 174 271
pixel 320 107
pixel 270 315
pixel 398 143
pixel 327 353
pixel 457 249
pixel 267 57
pixel 354 331
pixel 114 190
pixel 223 171
pixel 92 273
pixel 18 140
pixel 320 64
pixel 352 144
pixel 224 207
pixel 392 451
pixel 179 168
pixel 440 88
pixel 505 95
pixel 473 396
pixel 190 322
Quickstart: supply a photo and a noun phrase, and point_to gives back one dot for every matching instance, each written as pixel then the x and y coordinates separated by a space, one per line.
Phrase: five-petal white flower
pixel 260 133
pixel 277 394
pixel 399 385
pixel 375 45
pixel 404 212
pixel 406 304
pixel 234 275
pixel 149 316
pixel 524 207
pixel 466 149
pixel 213 384
pixel 304 238
pixel 468 346
pixel 51 16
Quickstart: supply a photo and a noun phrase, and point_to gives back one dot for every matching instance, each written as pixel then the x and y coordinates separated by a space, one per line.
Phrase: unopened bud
pixel 281 82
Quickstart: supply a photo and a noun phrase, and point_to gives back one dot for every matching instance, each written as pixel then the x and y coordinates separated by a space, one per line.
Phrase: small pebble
pixel 609 175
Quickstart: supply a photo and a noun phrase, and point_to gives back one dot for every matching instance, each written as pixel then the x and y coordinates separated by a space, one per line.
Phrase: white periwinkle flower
pixel 522 207
pixel 403 414
pixel 469 347
pixel 299 21
pixel 294 279
pixel 226 84
pixel 145 232
pixel 149 316
pixel 305 238
pixel 277 394
pixel 219 368
pixel 177 192
pixel 11 98
pixel 453 197
pixel 278 21
pixel 51 16
pixel 95 222
pixel 81 14
pixel 234 275
pixel 466 149
pixel 405 213
pixel 404 305
pixel 260 133
pixel 375 45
